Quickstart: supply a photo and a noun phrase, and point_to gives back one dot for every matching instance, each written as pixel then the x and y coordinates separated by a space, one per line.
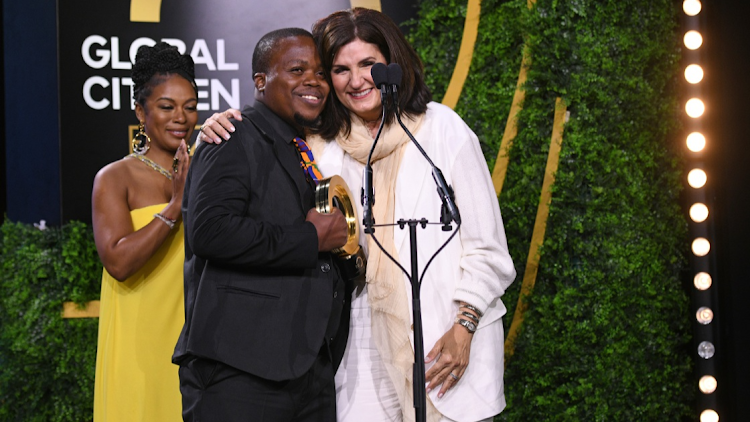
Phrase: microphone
pixel 444 190
pixel 446 194
pixel 379 74
pixel 394 81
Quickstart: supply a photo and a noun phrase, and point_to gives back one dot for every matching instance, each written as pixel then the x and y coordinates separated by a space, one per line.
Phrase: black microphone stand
pixel 418 377
pixel 449 212
pixel 380 78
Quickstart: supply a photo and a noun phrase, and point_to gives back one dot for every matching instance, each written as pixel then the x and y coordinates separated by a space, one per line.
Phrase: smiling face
pixel 352 81
pixel 169 113
pixel 295 87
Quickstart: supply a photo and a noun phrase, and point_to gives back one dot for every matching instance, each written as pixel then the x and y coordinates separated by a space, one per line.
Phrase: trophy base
pixel 352 266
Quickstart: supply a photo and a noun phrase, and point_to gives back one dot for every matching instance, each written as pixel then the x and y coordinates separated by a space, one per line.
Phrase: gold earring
pixel 141 142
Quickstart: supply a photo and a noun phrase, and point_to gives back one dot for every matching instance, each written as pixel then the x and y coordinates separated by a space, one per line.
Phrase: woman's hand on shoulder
pixel 218 128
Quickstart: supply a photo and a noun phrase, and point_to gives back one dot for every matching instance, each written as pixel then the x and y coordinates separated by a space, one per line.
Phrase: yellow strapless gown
pixel 139 322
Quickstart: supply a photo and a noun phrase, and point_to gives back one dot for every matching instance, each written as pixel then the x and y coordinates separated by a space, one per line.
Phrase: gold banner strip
pixel 511 126
pixel 368 4
pixel 540 226
pixel 71 310
pixel 465 53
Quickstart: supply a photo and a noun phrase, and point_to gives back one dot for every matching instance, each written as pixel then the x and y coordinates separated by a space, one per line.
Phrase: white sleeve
pixel 486 264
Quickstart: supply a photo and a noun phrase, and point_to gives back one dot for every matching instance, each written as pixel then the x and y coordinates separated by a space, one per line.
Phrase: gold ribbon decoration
pixel 540 227
pixel 465 54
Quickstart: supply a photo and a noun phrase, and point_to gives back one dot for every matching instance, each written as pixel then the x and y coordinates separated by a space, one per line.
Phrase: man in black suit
pixel 263 298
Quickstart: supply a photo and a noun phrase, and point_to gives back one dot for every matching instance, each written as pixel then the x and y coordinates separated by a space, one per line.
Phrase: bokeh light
pixel 706 350
pixel 691 7
pixel 698 212
pixel 697 178
pixel 695 108
pixel 704 315
pixel 701 246
pixel 693 40
pixel 702 281
pixel 707 384
pixel 693 73
pixel 696 142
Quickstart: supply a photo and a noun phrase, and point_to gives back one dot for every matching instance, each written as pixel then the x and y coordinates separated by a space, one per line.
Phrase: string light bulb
pixel 695 108
pixel 697 178
pixel 693 40
pixel 691 7
pixel 709 415
pixel 701 246
pixel 696 142
pixel 702 281
pixel 706 350
pixel 693 73
pixel 707 384
pixel 704 315
pixel 698 212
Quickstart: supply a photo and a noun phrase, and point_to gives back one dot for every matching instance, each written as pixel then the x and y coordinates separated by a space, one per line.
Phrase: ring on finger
pixel 455 378
pixel 175 163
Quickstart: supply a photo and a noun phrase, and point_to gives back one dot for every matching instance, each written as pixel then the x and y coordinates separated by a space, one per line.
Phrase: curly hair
pixel 154 64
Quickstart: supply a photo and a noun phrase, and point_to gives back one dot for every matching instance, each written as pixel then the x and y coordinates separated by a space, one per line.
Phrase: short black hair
pixel 154 64
pixel 267 43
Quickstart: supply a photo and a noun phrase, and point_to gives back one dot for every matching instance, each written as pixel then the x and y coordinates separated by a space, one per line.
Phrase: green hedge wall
pixel 46 362
pixel 607 334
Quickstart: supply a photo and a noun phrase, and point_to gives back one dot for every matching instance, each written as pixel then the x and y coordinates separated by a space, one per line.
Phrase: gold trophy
pixel 333 192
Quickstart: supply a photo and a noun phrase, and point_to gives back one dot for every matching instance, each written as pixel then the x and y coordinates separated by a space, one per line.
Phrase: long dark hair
pixel 339 29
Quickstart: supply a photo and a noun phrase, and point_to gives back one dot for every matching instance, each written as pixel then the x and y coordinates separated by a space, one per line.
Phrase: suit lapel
pixel 286 155
pixel 290 163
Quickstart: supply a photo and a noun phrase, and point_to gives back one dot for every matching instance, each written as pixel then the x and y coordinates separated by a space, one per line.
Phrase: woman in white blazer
pixel 461 289
pixel 474 268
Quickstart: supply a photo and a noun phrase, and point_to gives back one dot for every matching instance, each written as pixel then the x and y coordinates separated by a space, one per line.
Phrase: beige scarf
pixel 391 322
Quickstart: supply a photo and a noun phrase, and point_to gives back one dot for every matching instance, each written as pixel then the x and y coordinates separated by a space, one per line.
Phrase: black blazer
pixel 258 295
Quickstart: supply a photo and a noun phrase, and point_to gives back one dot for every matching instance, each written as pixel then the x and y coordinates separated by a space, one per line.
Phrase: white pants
pixel 364 392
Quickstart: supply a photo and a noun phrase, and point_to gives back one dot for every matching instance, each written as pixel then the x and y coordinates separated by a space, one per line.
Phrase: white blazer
pixel 474 267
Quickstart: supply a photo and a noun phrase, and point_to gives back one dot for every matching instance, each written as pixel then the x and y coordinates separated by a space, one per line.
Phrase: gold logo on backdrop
pixel 369 4
pixel 145 10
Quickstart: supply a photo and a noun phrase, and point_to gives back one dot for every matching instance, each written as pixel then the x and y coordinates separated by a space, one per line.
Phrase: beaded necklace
pixel 152 164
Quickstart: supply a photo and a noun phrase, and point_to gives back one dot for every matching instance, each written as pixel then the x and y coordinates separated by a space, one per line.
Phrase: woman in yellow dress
pixel 136 207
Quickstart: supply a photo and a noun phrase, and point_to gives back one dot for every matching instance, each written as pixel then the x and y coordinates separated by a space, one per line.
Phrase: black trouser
pixel 215 392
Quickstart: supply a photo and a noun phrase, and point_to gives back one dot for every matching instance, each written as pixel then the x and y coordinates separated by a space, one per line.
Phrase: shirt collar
pixel 278 124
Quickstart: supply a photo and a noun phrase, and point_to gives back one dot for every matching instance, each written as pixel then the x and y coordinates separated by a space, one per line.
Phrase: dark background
pixel 727 124
pixel 91 138
pixel 30 154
